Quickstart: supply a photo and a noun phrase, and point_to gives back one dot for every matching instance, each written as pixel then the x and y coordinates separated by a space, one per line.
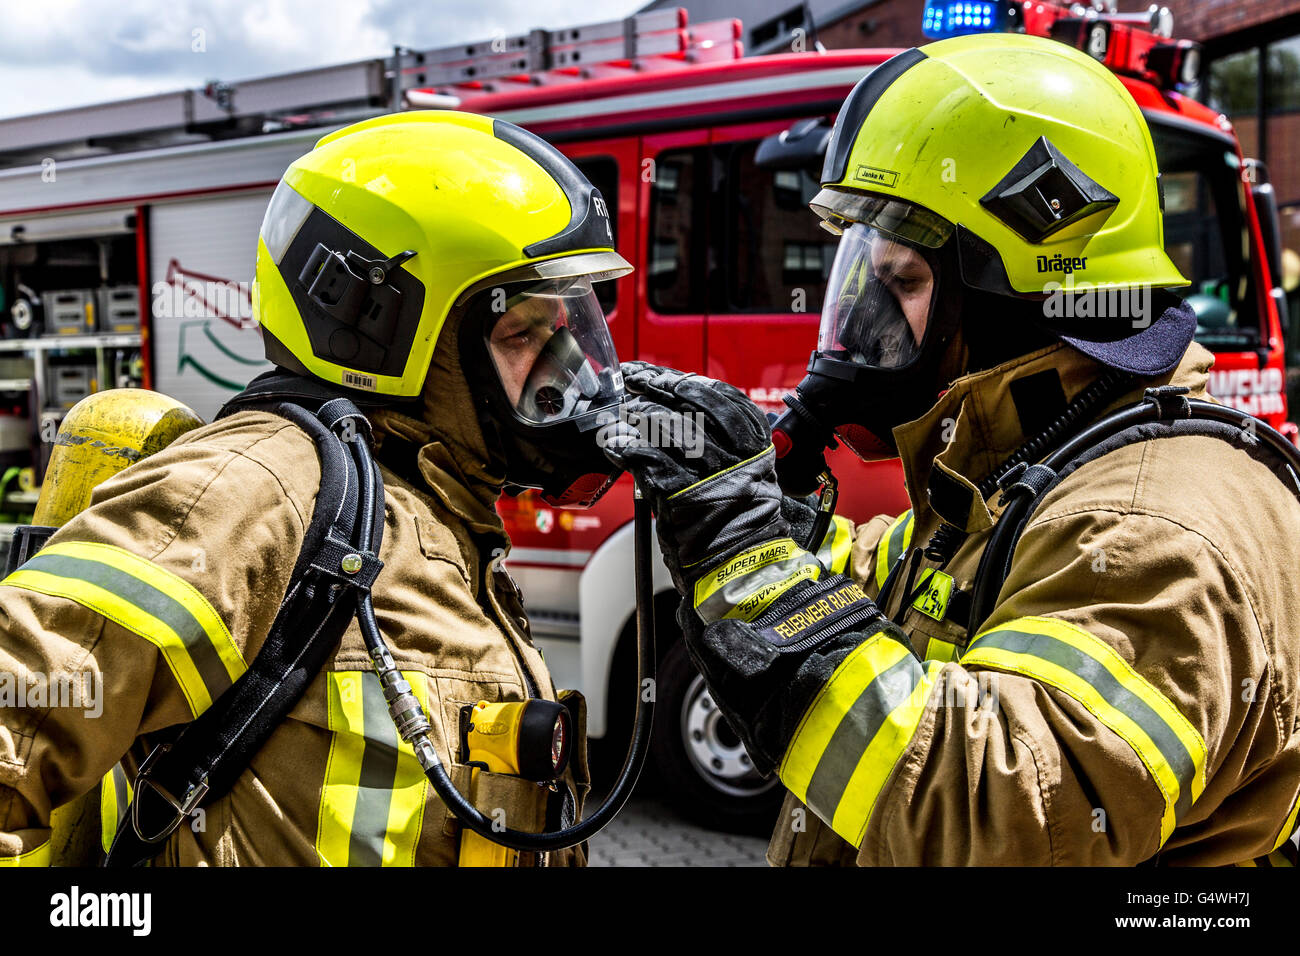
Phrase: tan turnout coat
pixel 169 583
pixel 1173 563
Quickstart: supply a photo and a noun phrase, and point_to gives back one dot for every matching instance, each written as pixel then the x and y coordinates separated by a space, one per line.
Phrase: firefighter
pixel 1132 696
pixel 437 269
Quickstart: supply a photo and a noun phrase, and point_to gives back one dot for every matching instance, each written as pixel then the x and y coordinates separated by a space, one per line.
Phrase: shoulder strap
pixel 1164 412
pixel 205 759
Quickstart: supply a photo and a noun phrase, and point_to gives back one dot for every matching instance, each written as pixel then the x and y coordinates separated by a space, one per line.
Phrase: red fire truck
pixel 708 157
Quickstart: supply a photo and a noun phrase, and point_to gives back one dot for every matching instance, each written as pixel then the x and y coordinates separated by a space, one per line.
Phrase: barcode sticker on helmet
pixel 357 380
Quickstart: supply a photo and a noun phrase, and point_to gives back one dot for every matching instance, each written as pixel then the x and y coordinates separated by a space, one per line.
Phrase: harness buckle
pixel 184 808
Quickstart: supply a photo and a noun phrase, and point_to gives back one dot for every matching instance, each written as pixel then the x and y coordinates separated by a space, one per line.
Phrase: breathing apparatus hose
pixel 413 725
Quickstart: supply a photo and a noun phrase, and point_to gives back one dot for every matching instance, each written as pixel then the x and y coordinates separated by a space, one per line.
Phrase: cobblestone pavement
pixel 649 833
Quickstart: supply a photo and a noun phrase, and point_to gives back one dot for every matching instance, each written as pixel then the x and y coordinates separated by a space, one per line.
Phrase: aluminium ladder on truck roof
pixel 656 40
pixel 660 39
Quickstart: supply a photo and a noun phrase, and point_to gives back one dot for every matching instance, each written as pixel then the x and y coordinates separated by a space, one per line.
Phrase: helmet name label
pixel 877 177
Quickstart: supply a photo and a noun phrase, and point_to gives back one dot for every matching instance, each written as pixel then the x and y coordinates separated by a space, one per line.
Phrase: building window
pixel 1258 89
pixel 777 255
pixel 1234 92
pixel 679 253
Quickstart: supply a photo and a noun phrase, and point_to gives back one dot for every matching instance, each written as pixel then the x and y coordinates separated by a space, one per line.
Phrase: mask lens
pixel 879 301
pixel 551 349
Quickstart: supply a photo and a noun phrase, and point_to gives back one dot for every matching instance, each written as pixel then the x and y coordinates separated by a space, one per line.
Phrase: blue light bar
pixel 954 18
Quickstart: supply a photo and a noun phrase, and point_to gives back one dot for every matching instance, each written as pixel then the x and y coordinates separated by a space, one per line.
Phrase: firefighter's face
pixel 552 351
pixel 518 338
pixel 909 279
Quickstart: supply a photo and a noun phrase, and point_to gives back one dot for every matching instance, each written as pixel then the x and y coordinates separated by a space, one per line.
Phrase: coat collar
pixel 976 425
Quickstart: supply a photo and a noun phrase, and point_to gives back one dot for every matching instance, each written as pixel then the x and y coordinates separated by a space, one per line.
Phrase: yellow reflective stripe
pixel 837 545
pixel 892 545
pixel 1288 828
pixel 40 856
pixel 937 650
pixel 1070 659
pixel 410 791
pixel 753 559
pixel 114 797
pixel 342 769
pixel 148 600
pixel 856 730
pixel 374 792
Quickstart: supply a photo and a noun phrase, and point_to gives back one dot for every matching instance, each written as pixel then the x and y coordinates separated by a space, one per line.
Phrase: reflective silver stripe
pixel 897 540
pixel 198 643
pixel 378 770
pixel 837 546
pixel 859 726
pixel 1118 696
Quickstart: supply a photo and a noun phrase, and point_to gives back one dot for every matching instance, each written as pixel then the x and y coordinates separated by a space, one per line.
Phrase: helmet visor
pixel 879 301
pixel 550 347
pixel 909 222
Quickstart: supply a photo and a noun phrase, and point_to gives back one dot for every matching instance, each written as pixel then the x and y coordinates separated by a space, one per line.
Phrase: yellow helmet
pixel 977 184
pixel 1029 149
pixel 374 236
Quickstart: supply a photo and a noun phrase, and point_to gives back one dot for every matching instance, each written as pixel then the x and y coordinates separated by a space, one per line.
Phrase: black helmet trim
pixel 589 226
pixel 981 266
pixel 854 112
pixel 360 308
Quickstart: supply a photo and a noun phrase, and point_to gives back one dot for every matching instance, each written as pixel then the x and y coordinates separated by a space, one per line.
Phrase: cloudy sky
pixel 59 53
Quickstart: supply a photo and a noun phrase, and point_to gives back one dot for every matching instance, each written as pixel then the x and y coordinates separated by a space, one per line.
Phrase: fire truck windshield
pixel 1206 233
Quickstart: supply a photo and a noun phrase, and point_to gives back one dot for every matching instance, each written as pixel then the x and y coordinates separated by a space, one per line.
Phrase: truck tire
pixel 705 773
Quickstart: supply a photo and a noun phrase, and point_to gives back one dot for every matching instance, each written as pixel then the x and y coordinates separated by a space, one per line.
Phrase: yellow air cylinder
pixel 101 435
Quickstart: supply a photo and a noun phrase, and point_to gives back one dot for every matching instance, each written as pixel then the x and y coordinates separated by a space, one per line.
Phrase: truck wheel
pixel 706 774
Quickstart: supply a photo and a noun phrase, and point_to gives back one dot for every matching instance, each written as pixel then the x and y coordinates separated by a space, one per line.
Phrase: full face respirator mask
pixel 545 377
pixel 889 316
